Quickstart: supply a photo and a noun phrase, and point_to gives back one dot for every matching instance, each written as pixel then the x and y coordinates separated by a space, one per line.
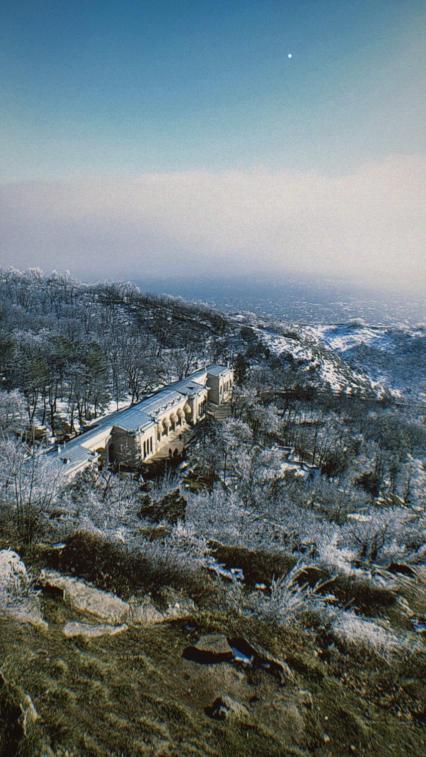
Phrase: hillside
pixel 263 593
pixel 392 356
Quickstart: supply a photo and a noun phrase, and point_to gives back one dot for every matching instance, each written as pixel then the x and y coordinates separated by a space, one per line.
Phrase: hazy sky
pixel 180 136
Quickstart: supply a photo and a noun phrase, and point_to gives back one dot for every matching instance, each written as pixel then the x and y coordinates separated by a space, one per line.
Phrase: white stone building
pixel 137 434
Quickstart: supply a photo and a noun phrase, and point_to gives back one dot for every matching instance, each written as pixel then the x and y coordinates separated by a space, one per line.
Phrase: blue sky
pixel 126 87
pixel 193 137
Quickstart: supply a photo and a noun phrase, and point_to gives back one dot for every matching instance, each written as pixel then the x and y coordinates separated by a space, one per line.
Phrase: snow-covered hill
pixel 393 356
pixel 352 357
pixel 325 366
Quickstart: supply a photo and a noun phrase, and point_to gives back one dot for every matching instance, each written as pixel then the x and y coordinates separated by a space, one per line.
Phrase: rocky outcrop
pixel 85 598
pixel 89 631
pixel 18 600
pixel 109 608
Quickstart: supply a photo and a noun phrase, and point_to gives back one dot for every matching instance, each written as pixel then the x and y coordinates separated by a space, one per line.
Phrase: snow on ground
pixel 392 357
pixel 347 336
pixel 279 343
pixel 307 346
pixel 330 375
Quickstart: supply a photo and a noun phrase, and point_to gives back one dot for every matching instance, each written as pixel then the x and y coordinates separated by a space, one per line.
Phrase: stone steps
pixel 219 412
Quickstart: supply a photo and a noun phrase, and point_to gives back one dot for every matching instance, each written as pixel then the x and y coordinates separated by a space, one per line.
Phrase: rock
pixel 18 599
pixel 145 614
pixel 211 648
pixel 90 631
pixel 110 608
pixel 85 598
pixel 224 707
pixel 183 609
pixel 28 612
pixel 261 658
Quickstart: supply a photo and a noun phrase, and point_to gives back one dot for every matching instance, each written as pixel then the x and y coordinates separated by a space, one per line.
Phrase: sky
pixel 189 137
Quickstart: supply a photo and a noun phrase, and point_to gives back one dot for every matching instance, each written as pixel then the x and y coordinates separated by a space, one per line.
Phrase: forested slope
pixel 74 350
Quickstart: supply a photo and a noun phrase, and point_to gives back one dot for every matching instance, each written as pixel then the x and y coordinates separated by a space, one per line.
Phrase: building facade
pixel 141 432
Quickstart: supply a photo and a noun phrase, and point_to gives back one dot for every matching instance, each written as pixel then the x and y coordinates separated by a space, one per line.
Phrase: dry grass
pixel 136 694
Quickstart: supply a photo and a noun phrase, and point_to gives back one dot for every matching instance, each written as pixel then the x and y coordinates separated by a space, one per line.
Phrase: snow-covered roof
pixel 134 418
pixel 163 400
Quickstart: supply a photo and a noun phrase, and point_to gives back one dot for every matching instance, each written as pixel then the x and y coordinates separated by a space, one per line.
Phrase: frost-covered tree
pixel 380 536
pixel 13 416
pixel 29 486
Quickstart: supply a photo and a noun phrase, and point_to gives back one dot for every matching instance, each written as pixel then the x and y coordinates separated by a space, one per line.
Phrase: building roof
pixel 218 370
pixel 134 418
pixel 191 388
pixel 163 400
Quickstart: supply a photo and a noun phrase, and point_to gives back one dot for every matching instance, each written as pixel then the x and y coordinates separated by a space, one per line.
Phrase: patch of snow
pixel 344 337
pixel 232 574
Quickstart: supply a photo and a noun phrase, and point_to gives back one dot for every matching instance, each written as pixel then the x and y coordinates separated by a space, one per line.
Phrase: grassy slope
pixel 136 694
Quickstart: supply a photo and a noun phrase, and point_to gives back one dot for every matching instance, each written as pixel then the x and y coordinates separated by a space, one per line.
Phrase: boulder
pixel 90 631
pixel 18 599
pixel 211 648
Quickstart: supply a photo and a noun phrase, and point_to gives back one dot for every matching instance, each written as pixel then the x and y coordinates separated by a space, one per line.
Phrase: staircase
pixel 219 412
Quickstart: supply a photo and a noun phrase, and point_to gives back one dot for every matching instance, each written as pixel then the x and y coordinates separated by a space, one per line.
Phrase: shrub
pixel 354 631
pixel 287 600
